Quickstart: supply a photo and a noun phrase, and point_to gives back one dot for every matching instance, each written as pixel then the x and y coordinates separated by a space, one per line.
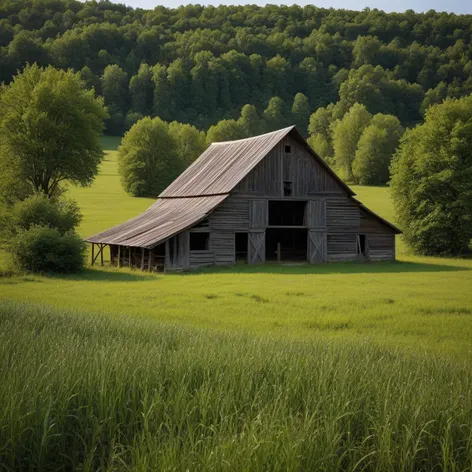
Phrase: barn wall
pixel 334 220
pixel 309 177
pixel 380 237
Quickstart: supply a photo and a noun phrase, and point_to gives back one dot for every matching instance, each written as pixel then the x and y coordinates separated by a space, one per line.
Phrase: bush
pixel 43 249
pixel 41 211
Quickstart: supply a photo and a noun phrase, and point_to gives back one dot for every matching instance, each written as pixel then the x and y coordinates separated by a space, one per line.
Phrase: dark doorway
pixel 291 242
pixel 240 245
pixel 361 244
pixel 286 213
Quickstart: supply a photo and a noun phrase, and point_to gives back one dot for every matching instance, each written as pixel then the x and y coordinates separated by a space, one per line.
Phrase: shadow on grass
pixel 332 268
pixel 111 275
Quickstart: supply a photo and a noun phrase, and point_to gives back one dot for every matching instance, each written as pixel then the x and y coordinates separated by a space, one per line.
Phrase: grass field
pixel 333 367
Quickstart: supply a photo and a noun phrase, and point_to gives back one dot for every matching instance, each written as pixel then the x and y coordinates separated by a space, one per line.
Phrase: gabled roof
pixel 200 189
pixel 223 165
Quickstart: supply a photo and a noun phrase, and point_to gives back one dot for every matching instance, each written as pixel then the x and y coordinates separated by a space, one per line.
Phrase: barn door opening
pixel 286 244
pixel 240 247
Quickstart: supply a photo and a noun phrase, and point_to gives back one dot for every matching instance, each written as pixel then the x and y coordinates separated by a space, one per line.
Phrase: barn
pixel 255 200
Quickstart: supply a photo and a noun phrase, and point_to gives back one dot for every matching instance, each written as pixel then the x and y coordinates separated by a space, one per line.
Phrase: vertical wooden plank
pixel 119 256
pixel 317 251
pixel 142 258
pixel 93 253
pixel 150 261
pixel 256 249
pixel 129 256
pixel 101 254
pixel 258 213
pixel 315 214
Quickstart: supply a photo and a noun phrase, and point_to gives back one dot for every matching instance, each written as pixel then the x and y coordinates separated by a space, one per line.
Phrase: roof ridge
pixel 288 128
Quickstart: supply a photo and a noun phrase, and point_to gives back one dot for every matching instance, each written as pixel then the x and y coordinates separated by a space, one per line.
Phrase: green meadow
pixel 275 367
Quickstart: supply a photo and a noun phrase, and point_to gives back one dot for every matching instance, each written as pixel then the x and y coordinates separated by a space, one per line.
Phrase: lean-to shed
pixel 260 199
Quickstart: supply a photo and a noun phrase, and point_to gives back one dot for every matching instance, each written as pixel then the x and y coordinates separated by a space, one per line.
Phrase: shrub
pixel 43 249
pixel 41 211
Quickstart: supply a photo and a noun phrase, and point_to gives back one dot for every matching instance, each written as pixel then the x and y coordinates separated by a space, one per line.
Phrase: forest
pixel 200 65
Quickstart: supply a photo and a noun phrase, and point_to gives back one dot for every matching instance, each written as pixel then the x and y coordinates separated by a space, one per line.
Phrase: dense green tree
pixel 114 82
pixel 301 112
pixel 207 62
pixel 225 130
pixel 432 180
pixel 250 121
pixel 375 150
pixel 346 134
pixel 148 158
pixel 322 147
pixel 49 132
pixel 141 90
pixel 190 142
pixel 276 115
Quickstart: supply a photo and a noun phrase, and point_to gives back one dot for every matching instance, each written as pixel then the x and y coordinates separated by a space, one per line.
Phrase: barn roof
pixel 199 189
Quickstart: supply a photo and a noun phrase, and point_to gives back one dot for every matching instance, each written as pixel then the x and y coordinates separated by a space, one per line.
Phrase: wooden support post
pixel 150 260
pixel 129 257
pixel 279 255
pixel 142 258
pixel 119 256
pixel 93 253
pixel 101 255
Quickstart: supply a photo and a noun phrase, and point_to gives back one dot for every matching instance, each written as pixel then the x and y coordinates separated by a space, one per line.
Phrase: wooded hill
pixel 202 64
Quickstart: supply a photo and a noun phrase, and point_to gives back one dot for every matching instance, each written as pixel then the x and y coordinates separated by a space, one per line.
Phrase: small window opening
pixel 288 188
pixel 240 244
pixel 199 241
pixel 361 244
pixel 288 148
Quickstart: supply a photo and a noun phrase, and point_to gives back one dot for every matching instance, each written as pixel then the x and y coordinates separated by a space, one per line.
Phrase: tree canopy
pixel 432 180
pixel 149 158
pixel 49 132
pixel 201 64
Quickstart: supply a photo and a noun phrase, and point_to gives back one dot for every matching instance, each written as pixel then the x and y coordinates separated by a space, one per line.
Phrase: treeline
pixel 200 65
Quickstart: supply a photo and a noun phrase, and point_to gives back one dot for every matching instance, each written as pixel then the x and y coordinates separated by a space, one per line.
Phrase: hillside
pixel 202 64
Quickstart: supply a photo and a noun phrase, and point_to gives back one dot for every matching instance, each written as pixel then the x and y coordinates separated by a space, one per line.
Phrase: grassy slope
pixel 419 303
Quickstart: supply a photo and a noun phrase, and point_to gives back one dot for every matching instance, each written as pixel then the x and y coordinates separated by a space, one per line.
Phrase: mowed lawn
pixel 248 368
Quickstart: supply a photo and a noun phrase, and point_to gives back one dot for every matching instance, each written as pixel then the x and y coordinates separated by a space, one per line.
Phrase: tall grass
pixel 91 392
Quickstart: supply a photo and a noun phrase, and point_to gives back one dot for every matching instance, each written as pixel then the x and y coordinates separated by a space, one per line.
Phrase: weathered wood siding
pixel 256 247
pixel 201 258
pixel 222 246
pixel 177 252
pixel 309 177
pixel 380 238
pixel 342 247
pixel 342 215
pixel 315 214
pixel 317 251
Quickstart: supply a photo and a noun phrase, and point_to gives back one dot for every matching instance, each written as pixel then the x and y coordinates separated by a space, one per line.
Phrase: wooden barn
pixel 261 199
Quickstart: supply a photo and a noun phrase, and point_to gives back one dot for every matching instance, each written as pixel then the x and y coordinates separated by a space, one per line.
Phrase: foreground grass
pixel 89 392
pixel 331 367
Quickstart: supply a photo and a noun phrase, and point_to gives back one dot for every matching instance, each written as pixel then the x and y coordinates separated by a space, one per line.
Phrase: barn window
pixel 361 244
pixel 199 241
pixel 288 188
pixel 288 148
